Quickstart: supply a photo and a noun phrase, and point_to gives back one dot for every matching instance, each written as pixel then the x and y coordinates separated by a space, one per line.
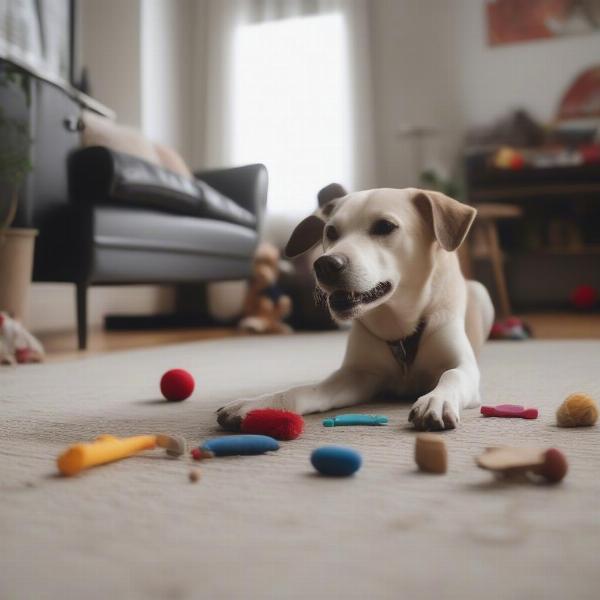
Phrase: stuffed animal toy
pixel 17 344
pixel 266 306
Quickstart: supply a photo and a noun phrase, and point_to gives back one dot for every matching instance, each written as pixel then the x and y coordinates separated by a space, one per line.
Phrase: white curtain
pixel 288 83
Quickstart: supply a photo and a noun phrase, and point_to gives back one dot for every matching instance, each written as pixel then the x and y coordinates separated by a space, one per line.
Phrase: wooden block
pixel 431 455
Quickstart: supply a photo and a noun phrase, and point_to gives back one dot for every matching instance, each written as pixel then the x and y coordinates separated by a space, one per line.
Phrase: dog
pixel 389 265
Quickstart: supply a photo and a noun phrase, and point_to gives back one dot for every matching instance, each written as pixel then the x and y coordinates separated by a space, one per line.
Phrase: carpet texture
pixel 267 526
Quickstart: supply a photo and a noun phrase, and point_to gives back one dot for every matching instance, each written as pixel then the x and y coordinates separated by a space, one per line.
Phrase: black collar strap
pixel 405 350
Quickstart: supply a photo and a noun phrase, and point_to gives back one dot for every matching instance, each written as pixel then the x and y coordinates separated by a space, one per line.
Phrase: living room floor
pixel 268 526
pixel 61 345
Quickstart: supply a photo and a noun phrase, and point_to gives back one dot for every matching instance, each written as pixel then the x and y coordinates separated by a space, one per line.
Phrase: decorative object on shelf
pixel 513 21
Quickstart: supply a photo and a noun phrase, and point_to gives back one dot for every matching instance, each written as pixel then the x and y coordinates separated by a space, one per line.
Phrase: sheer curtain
pixel 288 84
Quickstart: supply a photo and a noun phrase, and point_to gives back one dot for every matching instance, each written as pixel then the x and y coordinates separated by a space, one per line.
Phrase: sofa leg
pixel 82 315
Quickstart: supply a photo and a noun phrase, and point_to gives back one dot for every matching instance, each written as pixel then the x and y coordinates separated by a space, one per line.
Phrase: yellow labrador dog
pixel 389 265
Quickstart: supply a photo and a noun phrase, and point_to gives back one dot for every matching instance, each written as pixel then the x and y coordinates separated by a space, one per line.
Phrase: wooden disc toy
pixel 506 461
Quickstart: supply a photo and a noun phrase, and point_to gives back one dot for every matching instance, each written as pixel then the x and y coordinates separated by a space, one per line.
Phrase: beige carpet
pixel 268 527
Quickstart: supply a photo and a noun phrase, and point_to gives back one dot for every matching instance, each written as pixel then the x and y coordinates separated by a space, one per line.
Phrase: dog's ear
pixel 449 219
pixel 328 198
pixel 331 192
pixel 307 234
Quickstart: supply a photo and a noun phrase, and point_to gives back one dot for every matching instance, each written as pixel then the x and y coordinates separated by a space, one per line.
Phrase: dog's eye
pixel 331 233
pixel 382 227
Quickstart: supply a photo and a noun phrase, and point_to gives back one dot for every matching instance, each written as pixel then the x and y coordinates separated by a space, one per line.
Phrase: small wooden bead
pixel 431 455
pixel 555 465
pixel 578 410
pixel 194 475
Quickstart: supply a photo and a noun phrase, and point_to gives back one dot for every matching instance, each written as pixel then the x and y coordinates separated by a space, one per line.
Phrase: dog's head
pixel 378 243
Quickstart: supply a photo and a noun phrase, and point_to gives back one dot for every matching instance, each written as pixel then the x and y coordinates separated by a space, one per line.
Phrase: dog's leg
pixel 345 387
pixel 454 376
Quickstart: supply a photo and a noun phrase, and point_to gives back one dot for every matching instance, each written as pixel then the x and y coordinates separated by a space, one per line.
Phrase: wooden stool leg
pixel 497 268
pixel 464 258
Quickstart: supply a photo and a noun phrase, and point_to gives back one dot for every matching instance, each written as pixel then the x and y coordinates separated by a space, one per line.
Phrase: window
pixel 291 107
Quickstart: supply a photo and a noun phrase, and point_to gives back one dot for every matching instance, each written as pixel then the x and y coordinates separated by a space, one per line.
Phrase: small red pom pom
pixel 584 297
pixel 196 454
pixel 280 424
pixel 176 385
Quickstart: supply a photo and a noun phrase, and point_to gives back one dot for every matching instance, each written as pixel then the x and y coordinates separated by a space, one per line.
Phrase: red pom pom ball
pixel 584 297
pixel 177 385
pixel 280 424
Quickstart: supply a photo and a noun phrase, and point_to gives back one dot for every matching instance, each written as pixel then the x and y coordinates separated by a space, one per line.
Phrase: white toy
pixel 17 344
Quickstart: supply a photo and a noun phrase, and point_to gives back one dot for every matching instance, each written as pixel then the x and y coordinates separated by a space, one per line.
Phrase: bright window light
pixel 291 107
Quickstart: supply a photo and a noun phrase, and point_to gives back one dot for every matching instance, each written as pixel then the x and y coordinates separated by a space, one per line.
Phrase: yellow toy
pixel 107 448
pixel 578 410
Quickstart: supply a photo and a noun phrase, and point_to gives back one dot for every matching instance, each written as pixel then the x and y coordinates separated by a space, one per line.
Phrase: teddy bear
pixel 265 306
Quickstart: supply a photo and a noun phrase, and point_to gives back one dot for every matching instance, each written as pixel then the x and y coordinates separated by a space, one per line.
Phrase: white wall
pixel 166 51
pixel 413 80
pixel 110 47
pixel 533 75
pixel 432 66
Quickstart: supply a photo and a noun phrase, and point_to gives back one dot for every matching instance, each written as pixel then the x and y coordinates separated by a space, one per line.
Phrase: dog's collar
pixel 405 350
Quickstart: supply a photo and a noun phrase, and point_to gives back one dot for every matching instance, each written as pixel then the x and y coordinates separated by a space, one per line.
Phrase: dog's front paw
pixel 231 415
pixel 433 413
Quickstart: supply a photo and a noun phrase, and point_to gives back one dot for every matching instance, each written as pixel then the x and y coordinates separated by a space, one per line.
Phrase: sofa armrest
pixel 245 185
pixel 100 175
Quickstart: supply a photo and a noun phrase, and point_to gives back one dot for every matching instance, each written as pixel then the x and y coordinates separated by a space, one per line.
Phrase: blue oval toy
pixel 230 445
pixel 337 461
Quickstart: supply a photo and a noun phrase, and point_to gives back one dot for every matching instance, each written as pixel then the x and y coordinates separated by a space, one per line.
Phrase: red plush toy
pixel 177 385
pixel 584 297
pixel 279 424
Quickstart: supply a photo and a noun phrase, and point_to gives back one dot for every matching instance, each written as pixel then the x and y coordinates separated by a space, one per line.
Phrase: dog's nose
pixel 329 267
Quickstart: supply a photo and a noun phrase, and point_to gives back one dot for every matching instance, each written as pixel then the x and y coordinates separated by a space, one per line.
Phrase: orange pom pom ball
pixel 578 410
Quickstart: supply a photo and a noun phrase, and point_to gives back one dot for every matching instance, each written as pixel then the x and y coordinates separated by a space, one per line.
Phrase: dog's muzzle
pixel 343 302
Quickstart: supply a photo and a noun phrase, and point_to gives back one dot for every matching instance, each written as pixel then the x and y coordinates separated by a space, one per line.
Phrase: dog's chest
pixel 408 373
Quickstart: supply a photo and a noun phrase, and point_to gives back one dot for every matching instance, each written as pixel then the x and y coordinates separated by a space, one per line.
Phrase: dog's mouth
pixel 344 303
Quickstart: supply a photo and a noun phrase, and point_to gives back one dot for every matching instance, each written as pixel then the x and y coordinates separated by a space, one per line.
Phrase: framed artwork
pixel 514 21
pixel 37 35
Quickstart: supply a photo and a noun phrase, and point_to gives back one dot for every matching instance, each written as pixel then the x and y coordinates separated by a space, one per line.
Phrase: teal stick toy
pixel 355 419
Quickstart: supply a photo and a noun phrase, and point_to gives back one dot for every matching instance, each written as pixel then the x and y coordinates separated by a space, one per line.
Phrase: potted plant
pixel 16 244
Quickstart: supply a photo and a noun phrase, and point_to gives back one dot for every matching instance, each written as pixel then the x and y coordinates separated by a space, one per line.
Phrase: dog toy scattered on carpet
pixel 177 385
pixel 512 462
pixel 235 445
pixel 17 345
pixel 194 475
pixel 511 328
pixel 355 419
pixel 336 461
pixel 107 448
pixel 511 411
pixel 431 455
pixel 279 424
pixel 578 410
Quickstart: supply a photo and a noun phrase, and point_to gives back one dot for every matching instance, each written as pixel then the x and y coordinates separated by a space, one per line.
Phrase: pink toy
pixel 177 385
pixel 513 411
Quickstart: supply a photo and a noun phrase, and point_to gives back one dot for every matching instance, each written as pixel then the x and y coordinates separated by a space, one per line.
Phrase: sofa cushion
pixel 100 175
pixel 121 227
